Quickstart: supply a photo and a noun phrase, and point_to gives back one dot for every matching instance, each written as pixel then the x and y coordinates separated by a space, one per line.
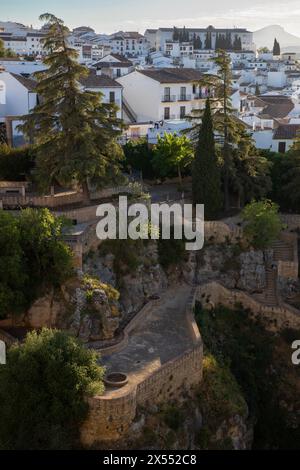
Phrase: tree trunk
pixel 86 192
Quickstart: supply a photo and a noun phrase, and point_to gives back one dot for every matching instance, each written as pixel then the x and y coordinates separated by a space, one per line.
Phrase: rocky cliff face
pixel 93 310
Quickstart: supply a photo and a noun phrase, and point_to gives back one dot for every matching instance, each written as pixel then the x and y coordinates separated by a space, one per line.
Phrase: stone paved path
pixel 163 335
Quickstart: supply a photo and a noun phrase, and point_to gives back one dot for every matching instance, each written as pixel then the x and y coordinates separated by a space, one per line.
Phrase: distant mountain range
pixel 265 37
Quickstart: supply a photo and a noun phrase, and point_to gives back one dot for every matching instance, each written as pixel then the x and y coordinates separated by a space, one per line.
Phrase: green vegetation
pixel 139 156
pixel 263 224
pixel 16 164
pixel 33 258
pixel 74 133
pixel 244 170
pixel 276 47
pixel 5 52
pixel 126 255
pixel 172 153
pixel 92 283
pixel 206 173
pixel 261 365
pixel 285 174
pixel 42 392
pixel 172 417
pixel 171 252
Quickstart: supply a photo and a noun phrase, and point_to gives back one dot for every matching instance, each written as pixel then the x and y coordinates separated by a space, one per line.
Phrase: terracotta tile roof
pixel 277 106
pixel 114 64
pixel 287 132
pixel 99 81
pixel 176 75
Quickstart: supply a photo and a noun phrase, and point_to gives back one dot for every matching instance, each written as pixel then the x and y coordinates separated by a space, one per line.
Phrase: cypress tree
pixel 73 132
pixel 276 48
pixel 208 44
pixel 206 174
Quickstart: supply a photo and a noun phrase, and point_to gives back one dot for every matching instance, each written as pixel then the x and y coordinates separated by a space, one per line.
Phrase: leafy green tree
pixel 2 49
pixel 5 52
pixel 15 163
pixel 262 223
pixel 74 133
pixel 285 176
pixel 276 48
pixel 138 156
pixel 13 277
pixel 226 125
pixel 250 171
pixel 43 388
pixel 263 50
pixel 206 173
pixel 172 153
pixel 48 259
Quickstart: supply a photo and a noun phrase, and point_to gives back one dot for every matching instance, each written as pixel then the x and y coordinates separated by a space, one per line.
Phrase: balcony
pixel 168 98
pixel 184 97
pixel 199 96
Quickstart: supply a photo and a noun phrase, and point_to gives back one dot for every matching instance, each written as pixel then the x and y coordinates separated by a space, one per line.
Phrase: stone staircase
pixel 270 296
pixel 282 251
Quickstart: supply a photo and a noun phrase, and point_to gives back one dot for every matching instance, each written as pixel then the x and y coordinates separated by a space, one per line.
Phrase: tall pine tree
pixel 73 132
pixel 206 174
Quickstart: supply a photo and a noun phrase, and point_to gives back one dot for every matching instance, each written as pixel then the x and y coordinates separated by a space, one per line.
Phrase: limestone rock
pixel 253 272
pixel 43 313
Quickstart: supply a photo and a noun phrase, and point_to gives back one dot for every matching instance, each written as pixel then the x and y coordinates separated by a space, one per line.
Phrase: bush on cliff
pixel 263 224
pixel 33 257
pixel 42 391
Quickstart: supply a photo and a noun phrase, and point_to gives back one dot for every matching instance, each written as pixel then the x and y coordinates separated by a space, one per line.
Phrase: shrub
pixel 263 224
pixel 16 164
pixel 33 257
pixel 43 388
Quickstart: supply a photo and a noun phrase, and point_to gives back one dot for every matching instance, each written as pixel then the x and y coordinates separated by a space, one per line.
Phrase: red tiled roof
pixel 287 132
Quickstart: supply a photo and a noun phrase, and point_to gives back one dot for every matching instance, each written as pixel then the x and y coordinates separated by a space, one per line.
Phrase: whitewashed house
pixel 17 98
pixel 163 94
pixel 129 44
pixel 114 65
pixel 284 137
pixel 110 90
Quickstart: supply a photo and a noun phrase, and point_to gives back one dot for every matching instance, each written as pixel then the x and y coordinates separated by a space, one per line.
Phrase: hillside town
pixel 151 78
pixel 143 342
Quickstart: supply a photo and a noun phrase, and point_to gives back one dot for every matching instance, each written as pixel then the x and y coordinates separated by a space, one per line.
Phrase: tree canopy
pixel 206 172
pixel 33 257
pixel 43 387
pixel 262 223
pixel 172 152
pixel 74 133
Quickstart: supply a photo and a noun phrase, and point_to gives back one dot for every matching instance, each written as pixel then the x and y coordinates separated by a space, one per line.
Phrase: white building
pixel 163 94
pixel 284 137
pixel 114 65
pixel 17 98
pixel 129 44
pixel 110 90
pixel 29 44
pixel 158 37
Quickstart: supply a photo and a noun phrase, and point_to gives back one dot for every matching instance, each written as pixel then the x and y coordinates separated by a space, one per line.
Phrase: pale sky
pixel 108 16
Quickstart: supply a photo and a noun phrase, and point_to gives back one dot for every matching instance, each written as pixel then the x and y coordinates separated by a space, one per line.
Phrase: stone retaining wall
pixel 111 415
pixel 276 318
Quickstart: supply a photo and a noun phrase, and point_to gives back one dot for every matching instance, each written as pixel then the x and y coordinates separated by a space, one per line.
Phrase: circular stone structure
pixel 116 379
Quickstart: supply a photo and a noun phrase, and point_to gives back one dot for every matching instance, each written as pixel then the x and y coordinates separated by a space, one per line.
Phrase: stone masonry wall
pixel 277 318
pixel 111 415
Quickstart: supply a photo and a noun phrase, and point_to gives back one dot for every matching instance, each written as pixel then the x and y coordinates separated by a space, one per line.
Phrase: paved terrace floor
pixel 158 338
